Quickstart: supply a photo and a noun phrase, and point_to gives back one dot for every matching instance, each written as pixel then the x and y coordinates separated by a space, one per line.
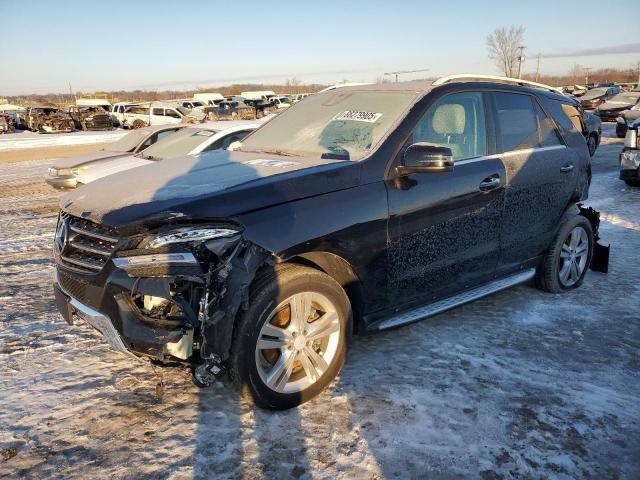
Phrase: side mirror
pixel 425 158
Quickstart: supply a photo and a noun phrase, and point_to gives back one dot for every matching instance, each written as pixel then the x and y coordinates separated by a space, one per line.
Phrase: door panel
pixel 540 176
pixel 444 232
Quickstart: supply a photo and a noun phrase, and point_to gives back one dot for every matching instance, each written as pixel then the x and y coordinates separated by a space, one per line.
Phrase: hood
pixel 110 166
pixel 615 106
pixel 85 158
pixel 217 184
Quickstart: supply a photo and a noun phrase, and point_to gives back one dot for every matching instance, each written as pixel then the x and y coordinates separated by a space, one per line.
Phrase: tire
pixel 592 143
pixel 620 131
pixel 551 274
pixel 289 375
pixel 633 183
pixel 138 124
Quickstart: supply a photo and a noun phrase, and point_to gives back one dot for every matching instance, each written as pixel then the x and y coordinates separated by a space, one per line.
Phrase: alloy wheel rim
pixel 298 343
pixel 573 257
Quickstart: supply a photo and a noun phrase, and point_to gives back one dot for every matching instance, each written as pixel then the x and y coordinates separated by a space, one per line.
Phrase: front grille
pixel 84 245
pixel 80 289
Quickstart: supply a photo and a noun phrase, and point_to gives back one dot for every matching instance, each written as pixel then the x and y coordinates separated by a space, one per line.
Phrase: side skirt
pixel 443 305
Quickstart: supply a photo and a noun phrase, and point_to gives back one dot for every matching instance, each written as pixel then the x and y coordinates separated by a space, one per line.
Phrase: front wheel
pixel 291 342
pixel 567 260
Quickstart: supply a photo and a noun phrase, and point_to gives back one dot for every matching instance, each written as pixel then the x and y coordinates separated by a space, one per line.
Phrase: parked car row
pixel 360 209
pixel 145 145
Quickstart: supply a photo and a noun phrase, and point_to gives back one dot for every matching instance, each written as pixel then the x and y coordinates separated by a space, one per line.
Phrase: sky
pixel 156 45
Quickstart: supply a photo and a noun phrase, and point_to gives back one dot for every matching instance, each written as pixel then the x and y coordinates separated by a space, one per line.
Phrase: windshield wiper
pixel 281 153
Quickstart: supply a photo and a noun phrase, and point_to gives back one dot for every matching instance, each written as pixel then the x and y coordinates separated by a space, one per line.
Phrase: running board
pixel 460 299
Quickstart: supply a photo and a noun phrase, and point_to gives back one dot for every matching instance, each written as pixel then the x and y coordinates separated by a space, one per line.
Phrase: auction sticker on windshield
pixel 369 117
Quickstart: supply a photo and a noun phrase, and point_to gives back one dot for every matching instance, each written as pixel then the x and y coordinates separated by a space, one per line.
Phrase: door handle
pixel 566 168
pixel 490 183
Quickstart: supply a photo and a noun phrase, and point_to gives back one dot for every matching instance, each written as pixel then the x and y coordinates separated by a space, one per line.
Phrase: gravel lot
pixel 522 384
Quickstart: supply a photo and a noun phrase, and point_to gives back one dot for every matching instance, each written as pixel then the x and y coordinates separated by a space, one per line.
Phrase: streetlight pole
pixel 520 60
pixel 586 75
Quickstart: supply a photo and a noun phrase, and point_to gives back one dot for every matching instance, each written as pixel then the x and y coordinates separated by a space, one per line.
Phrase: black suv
pixel 358 210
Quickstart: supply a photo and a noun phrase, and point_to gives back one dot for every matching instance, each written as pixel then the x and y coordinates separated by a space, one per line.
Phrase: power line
pixel 402 72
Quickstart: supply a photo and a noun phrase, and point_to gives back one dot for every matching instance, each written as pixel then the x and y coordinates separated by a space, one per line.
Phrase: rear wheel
pixel 592 143
pixel 567 261
pixel 291 342
pixel 138 124
pixel 633 183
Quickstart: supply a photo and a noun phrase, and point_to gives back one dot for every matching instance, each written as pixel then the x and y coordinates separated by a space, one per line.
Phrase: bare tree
pixel 503 45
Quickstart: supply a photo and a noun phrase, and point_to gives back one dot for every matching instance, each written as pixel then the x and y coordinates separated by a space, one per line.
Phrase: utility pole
pixel 405 71
pixel 638 68
pixel 70 91
pixel 538 68
pixel 586 75
pixel 520 60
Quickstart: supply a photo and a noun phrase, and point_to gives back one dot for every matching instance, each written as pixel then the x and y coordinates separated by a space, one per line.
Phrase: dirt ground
pixel 12 156
pixel 519 385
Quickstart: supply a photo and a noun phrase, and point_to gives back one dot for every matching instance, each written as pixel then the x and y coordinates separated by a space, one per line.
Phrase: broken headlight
pixel 188 235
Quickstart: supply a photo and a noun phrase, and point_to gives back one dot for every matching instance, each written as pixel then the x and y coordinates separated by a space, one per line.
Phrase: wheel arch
pixel 342 272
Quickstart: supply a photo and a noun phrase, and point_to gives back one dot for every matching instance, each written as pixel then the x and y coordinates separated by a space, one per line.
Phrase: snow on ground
pixel 522 384
pixel 24 139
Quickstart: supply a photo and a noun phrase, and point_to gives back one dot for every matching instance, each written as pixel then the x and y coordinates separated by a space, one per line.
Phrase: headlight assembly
pixel 187 235
pixel 65 172
pixel 630 160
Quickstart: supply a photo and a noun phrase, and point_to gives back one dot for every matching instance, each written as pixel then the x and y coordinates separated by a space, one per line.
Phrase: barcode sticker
pixel 369 117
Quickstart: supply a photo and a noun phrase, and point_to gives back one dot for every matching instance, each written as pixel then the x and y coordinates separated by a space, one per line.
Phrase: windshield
pixel 594 92
pixel 344 125
pixel 177 144
pixel 129 142
pixel 624 98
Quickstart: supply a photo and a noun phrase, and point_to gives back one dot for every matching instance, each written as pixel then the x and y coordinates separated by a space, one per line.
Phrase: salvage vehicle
pixel 626 118
pixel 597 96
pixel 191 104
pixel 280 102
pixel 592 131
pixel 208 99
pixel 231 110
pixel 48 119
pixel 160 113
pixel 91 118
pixel 612 108
pixel 6 124
pixel 64 172
pixel 191 140
pixel 358 210
pixel 630 156
pixel 117 112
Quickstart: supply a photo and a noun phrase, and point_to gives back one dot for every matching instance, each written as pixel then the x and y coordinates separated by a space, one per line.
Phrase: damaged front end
pixel 93 119
pixel 50 120
pixel 171 295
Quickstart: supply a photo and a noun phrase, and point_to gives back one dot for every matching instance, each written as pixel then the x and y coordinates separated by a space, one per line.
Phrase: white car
pixel 191 140
pixel 280 102
pixel 160 113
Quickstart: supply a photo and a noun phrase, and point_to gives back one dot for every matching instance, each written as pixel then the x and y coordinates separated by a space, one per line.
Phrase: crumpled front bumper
pixel 109 310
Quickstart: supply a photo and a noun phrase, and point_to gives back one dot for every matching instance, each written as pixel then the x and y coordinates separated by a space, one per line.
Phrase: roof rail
pixel 516 81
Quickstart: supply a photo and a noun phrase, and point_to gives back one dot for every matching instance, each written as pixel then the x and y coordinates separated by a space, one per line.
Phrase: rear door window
pixel 521 123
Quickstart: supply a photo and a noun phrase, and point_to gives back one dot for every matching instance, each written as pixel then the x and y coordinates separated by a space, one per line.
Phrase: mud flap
pixel 600 259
